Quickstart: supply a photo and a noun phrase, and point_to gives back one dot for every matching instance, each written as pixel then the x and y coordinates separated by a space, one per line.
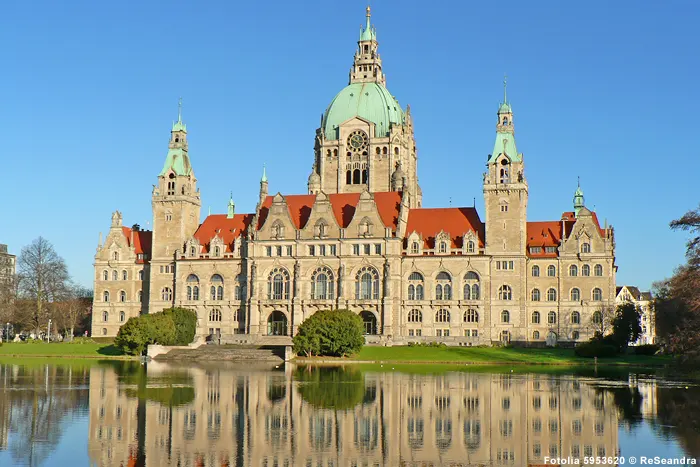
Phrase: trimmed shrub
pixel 185 324
pixel 132 337
pixel 596 348
pixel 646 349
pixel 335 333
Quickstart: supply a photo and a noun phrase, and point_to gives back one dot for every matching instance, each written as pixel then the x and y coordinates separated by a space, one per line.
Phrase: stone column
pixel 296 314
pixel 341 289
pixel 253 309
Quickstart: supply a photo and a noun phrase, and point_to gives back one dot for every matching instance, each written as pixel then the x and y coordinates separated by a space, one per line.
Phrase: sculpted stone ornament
pixel 296 279
pixel 253 269
pixel 341 273
pixel 387 273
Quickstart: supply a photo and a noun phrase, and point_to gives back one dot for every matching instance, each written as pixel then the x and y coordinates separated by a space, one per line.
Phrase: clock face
pixel 357 141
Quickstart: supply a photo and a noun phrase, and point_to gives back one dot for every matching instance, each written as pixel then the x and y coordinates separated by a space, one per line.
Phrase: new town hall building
pixel 360 239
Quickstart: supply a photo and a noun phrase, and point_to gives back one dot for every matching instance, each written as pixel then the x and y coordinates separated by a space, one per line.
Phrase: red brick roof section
pixel 428 222
pixel 142 241
pixel 548 233
pixel 343 204
pixel 227 229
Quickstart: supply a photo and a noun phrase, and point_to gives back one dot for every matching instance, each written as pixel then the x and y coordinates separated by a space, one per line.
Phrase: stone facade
pixel 361 239
pixel 8 265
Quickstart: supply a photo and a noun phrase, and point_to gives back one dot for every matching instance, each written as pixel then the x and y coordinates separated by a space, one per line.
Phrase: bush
pixel 596 348
pixel 185 321
pixel 335 333
pixel 82 340
pixel 646 349
pixel 173 326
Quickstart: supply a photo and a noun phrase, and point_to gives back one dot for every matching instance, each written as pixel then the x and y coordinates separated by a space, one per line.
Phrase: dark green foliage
pixel 331 387
pixel 132 337
pixel 626 324
pixel 185 324
pixel 647 349
pixel 174 326
pixel 335 333
pixel 596 348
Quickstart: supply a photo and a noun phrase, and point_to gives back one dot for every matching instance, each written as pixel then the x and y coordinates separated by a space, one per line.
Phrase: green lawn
pixel 494 355
pixel 97 350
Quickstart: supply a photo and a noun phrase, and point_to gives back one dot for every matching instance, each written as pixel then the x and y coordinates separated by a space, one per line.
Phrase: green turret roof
pixel 505 144
pixel 264 175
pixel 178 161
pixel 368 33
pixel 578 199
pixel 370 101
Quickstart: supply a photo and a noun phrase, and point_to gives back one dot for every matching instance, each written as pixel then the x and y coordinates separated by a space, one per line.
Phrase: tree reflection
pixel 332 387
pixel 679 416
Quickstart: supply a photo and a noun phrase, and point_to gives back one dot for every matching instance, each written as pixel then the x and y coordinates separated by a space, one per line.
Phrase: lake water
pixel 129 414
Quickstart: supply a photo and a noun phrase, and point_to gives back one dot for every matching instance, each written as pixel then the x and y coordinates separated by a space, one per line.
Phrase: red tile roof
pixel 142 240
pixel 548 233
pixel 343 204
pixel 227 229
pixel 428 222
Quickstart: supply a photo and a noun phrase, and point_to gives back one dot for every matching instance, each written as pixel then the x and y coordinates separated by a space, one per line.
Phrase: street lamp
pixel 48 336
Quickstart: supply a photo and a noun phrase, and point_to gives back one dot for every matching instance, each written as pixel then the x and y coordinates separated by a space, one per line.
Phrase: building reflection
pixel 243 417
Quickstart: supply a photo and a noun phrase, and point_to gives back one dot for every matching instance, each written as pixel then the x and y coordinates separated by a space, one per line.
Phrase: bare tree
pixel 71 311
pixel 8 292
pixel 43 278
pixel 602 320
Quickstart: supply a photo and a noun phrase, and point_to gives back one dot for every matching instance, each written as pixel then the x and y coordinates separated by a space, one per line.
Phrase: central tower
pixel 366 140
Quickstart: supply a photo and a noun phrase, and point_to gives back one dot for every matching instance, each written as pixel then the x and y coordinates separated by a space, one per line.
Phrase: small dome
pixel 314 178
pixel 370 101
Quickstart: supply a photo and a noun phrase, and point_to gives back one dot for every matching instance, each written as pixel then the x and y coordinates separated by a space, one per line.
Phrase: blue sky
pixel 602 90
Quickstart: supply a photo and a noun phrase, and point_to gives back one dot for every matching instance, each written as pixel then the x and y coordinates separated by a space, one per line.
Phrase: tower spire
pixel 263 179
pixel 231 207
pixel 578 197
pixel 505 88
pixel 367 67
pixel 179 110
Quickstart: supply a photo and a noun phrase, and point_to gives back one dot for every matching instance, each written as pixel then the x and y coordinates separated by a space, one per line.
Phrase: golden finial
pixel 368 12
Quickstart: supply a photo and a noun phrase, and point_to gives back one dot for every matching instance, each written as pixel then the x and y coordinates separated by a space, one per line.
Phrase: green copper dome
pixel 370 101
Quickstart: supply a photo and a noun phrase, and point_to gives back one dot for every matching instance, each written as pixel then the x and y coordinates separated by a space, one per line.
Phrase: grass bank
pixel 61 349
pixel 491 356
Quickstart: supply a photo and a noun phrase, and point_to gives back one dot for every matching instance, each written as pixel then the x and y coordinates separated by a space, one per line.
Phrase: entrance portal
pixel 277 324
pixel 369 321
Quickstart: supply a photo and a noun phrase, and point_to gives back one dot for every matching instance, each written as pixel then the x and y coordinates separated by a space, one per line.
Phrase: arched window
pixel 443 289
pixel 356 174
pixel 415 248
pixel 378 151
pixel 573 270
pixel 192 287
pixel 124 275
pixel 536 335
pixel 551 295
pixel 105 296
pixel 442 316
pixel 140 296
pixel 535 295
pixel 505 171
pixel 597 295
pixel 105 275
pixel 551 270
pixel 217 251
pixel 505 293
pixel 471 246
pixel 322 284
pixel 505 316
pixel 278 284
pixel 415 286
pixel 105 316
pixel 597 317
pixel 535 317
pixel 443 247
pixel 115 256
pixel 367 284
pixel 166 294
pixel 122 316
pixel 575 294
pixel 215 315
pixel 415 316
pixel 396 151
pixel 348 177
pixel 585 247
pixel 217 287
pixel 122 296
pixel 471 286
pixel 471 316
pixel 535 271
pixel 575 317
pixel 585 270
pixel 575 335
pixel 115 275
pixel 552 317
pixel 104 331
pixel 598 270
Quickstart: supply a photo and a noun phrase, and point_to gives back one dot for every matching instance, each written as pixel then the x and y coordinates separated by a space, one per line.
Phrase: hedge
pixel 173 326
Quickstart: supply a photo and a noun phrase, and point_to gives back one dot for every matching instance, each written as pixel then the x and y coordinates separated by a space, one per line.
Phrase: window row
pixel 442 247
pixel 573 270
pixel 443 288
pixel 574 317
pixel 167 269
pixel 443 316
pixel 279 250
pixel 121 316
pixel 536 250
pixel 574 295
pixel 116 276
pixel 505 265
pixel 106 296
pixel 366 249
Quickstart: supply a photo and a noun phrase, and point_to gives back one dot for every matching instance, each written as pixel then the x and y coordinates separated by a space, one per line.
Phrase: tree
pixel 336 333
pixel 626 324
pixel 601 322
pixel 70 312
pixel 43 278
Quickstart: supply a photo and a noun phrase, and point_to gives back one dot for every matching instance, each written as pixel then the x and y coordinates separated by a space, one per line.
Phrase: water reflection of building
pixel 260 418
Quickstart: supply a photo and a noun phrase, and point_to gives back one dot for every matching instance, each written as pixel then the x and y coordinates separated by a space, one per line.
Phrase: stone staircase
pixel 229 353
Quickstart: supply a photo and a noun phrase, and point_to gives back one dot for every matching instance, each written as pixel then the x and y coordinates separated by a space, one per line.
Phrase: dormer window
pixel 585 247
pixel 217 251
pixel 193 251
pixel 414 248
pixel 470 246
pixel 443 247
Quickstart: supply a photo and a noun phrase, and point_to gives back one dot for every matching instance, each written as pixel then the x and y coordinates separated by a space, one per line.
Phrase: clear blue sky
pixel 602 90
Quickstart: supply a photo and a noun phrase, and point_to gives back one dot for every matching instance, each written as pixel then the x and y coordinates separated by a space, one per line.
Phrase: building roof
pixel 505 144
pixel 549 233
pixel 228 229
pixel 428 222
pixel 634 291
pixel 142 241
pixel 178 161
pixel 369 101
